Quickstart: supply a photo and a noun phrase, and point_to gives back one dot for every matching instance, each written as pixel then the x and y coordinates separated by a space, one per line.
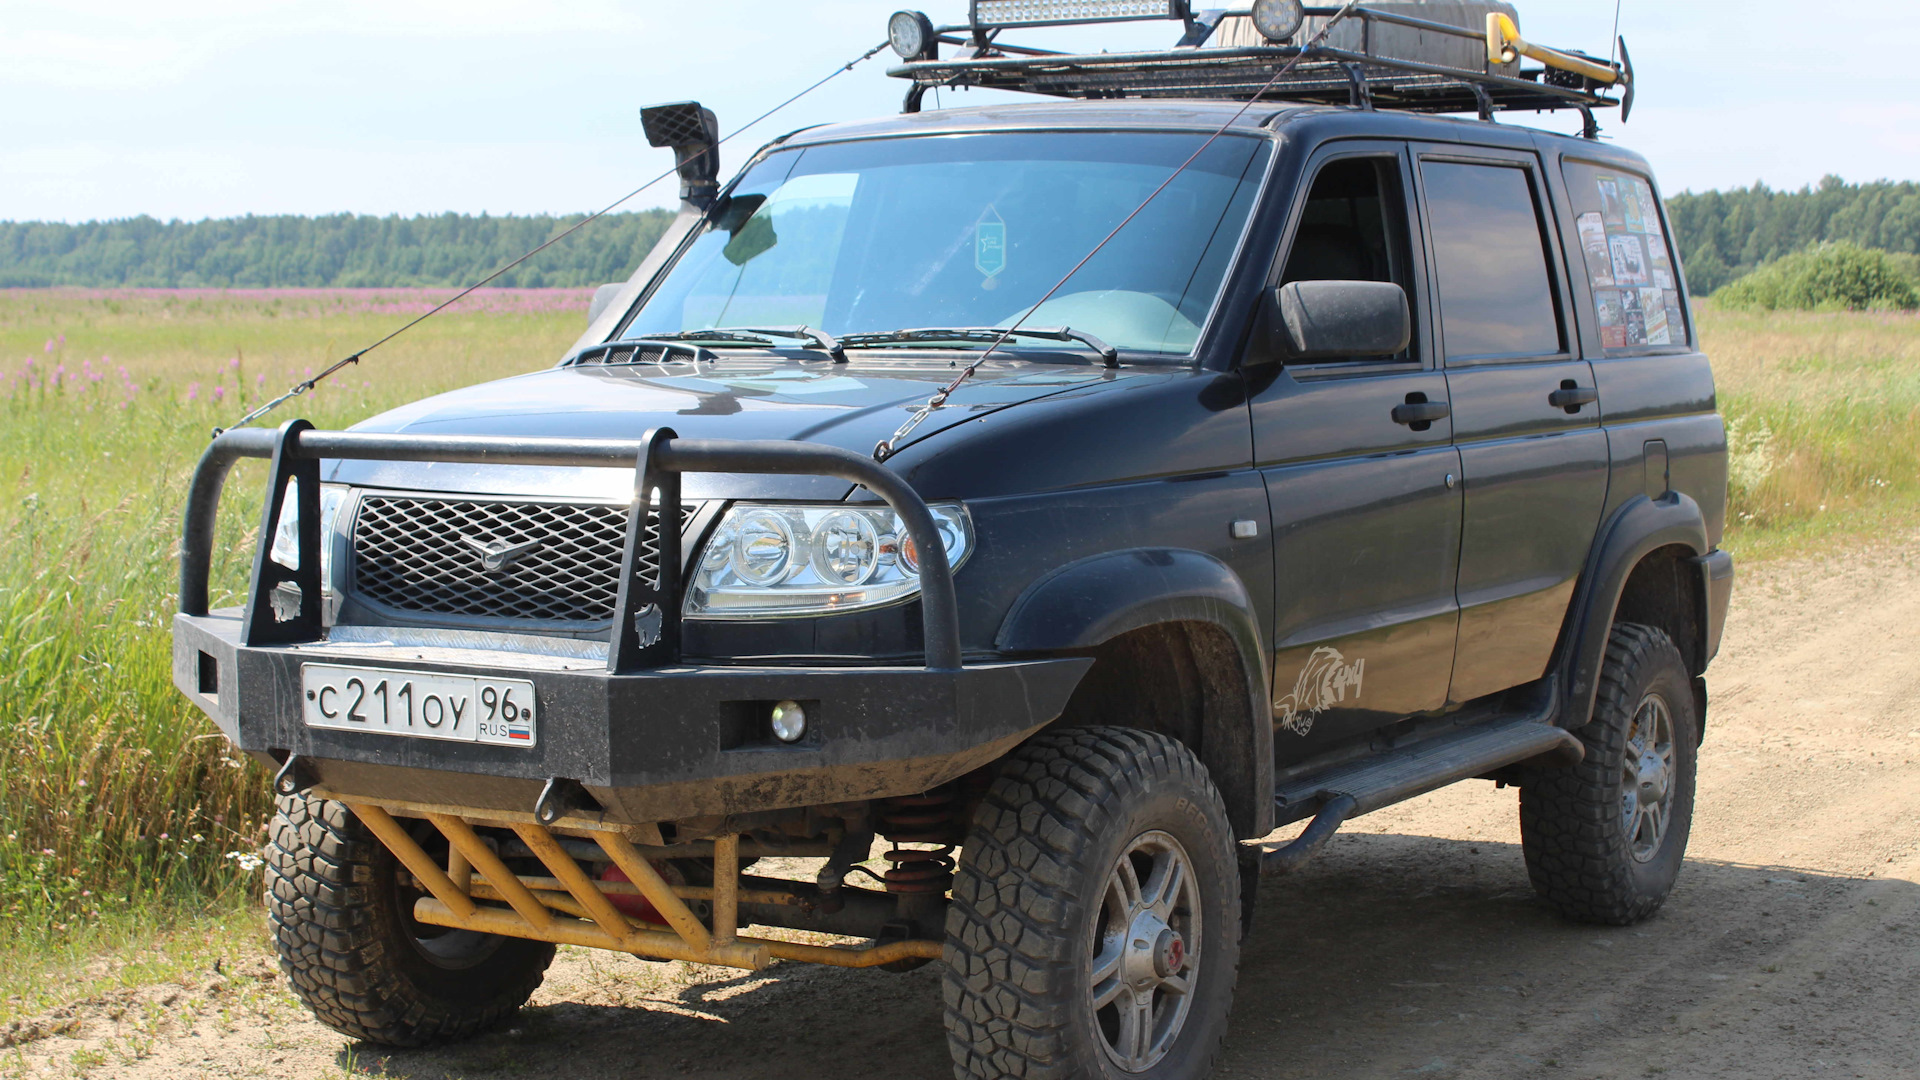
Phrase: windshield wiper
pixel 981 335
pixel 754 335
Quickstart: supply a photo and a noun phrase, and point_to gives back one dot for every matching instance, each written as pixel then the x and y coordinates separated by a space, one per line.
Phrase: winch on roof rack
pixel 1436 56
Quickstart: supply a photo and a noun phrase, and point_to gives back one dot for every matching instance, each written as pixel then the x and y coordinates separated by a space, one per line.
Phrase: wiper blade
pixel 981 335
pixel 756 335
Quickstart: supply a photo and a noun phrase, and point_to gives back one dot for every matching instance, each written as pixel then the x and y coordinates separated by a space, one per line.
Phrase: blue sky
pixel 211 108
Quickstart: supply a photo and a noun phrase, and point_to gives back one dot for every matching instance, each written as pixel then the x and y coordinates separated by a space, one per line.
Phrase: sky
pixel 213 108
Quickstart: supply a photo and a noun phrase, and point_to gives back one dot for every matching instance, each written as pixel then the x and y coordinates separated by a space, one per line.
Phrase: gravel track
pixel 1413 947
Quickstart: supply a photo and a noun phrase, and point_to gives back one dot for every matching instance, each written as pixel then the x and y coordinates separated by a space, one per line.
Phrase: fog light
pixel 789 721
pixel 1278 20
pixel 911 35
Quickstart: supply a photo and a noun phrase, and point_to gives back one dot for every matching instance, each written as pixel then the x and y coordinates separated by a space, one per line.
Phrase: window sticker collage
pixel 1634 286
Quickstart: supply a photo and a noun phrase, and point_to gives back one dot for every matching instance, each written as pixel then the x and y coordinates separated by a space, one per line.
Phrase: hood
pixel 853 406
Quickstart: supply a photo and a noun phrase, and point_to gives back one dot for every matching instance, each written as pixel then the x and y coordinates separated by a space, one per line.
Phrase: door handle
pixel 1420 415
pixel 1571 396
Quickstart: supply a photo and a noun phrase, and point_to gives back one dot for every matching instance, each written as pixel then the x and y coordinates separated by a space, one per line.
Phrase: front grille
pixel 432 555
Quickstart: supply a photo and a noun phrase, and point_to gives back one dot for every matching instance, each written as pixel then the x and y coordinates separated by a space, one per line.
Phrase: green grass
pixel 116 794
pixel 120 808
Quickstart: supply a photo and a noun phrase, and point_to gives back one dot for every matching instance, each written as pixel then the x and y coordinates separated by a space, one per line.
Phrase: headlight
pixel 765 560
pixel 286 538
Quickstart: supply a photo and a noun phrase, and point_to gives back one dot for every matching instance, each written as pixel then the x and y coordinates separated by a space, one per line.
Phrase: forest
pixel 1723 235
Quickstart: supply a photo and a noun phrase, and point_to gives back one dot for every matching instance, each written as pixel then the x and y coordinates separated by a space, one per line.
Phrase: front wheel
pixel 1604 840
pixel 343 924
pixel 1094 930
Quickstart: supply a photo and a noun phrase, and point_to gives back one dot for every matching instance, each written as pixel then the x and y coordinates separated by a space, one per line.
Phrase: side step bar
pixel 1361 787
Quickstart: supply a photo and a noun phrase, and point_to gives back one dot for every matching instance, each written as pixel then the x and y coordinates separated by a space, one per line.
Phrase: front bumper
pixel 653 745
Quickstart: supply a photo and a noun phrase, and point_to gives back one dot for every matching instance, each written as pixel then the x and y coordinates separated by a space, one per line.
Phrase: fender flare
pixel 1640 526
pixel 1086 603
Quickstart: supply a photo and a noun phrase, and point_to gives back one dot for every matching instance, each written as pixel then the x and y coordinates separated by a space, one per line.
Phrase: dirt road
pixel 1413 948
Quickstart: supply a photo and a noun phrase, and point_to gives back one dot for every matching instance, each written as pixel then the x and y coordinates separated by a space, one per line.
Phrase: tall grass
pixel 116 794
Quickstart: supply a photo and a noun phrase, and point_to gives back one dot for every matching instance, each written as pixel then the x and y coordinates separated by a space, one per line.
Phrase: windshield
pixel 970 231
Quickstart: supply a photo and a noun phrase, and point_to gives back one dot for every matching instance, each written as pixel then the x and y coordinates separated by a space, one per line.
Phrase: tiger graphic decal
pixel 1324 681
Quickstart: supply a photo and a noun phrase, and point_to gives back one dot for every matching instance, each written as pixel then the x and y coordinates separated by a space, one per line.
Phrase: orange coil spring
pixel 919 819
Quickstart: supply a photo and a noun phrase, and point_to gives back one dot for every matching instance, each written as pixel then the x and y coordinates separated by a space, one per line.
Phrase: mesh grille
pixel 548 562
pixel 631 354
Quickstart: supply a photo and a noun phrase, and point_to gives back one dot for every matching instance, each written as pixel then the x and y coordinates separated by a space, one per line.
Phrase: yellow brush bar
pixel 1505 45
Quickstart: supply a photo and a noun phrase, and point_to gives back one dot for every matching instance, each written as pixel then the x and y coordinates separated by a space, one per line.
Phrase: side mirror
pixel 603 296
pixel 1337 320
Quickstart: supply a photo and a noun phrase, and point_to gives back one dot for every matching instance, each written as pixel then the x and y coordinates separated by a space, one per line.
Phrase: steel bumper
pixel 660 744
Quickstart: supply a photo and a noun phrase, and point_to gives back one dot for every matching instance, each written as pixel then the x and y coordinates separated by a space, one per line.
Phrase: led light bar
pixel 993 14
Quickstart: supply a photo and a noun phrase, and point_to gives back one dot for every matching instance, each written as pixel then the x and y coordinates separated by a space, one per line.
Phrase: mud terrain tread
pixel 1576 857
pixel 1006 957
pixel 334 937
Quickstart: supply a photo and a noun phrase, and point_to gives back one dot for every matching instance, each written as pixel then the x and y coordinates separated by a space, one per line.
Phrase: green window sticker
pixel 990 245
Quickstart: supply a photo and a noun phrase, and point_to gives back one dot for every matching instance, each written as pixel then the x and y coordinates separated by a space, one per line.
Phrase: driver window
pixel 1352 227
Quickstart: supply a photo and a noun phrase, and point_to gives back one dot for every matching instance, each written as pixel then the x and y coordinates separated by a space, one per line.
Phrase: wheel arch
pixel 1653 566
pixel 1177 650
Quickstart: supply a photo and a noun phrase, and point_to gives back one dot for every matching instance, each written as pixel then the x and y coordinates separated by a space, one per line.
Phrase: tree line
pixel 336 250
pixel 1723 235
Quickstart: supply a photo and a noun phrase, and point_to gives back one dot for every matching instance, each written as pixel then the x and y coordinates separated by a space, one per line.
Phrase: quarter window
pixel 1490 257
pixel 1629 259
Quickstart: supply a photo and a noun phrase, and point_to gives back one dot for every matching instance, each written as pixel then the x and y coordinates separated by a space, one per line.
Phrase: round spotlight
pixel 911 35
pixel 1278 20
pixel 789 721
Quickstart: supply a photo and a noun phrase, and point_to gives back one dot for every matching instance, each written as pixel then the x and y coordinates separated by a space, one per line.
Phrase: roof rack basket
pixel 1362 77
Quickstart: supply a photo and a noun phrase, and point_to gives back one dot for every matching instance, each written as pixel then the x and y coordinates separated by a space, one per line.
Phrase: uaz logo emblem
pixel 498 555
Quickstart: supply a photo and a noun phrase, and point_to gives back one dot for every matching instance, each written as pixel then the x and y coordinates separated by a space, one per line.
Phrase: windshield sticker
pixel 1610 206
pixel 990 247
pixel 1593 237
pixel 1658 265
pixel 1324 681
pixel 1629 261
pixel 1630 206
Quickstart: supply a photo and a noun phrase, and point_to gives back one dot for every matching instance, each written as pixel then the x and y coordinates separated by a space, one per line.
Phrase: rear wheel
pixel 1094 930
pixel 1604 840
pixel 343 924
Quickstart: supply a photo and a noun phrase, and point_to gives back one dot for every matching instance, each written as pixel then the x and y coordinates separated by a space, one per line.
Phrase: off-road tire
pixel 1027 895
pixel 347 941
pixel 1578 850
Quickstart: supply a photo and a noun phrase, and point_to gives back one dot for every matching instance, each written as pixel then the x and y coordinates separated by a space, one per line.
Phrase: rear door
pixel 1526 415
pixel 1365 507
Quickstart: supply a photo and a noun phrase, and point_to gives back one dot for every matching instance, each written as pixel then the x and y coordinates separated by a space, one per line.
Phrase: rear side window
pixel 1629 258
pixel 1490 258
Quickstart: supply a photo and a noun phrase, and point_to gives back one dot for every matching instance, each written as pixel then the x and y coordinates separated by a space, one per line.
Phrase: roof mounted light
pixel 1278 20
pixel 912 36
pixel 995 14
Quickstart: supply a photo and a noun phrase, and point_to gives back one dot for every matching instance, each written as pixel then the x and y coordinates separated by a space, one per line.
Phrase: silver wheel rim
pixel 1146 952
pixel 1646 778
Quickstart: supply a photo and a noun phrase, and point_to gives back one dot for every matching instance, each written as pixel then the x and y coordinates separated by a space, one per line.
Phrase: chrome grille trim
pixel 422 553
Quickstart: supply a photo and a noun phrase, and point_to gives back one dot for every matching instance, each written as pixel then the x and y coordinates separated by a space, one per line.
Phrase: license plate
pixel 425 705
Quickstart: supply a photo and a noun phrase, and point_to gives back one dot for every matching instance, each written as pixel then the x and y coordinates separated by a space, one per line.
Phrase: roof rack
pixel 1363 77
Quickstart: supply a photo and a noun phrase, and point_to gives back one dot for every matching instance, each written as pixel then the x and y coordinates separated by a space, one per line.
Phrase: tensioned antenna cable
pixel 1613 47
pixel 886 448
pixel 305 385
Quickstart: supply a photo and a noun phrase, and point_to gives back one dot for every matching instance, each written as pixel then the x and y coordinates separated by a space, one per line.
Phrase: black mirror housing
pixel 1338 320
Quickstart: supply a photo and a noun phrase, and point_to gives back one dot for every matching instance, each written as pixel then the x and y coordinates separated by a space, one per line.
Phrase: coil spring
pixel 919 819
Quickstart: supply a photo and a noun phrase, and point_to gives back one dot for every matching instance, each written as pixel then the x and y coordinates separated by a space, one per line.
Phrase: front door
pixel 1526 415
pixel 1365 508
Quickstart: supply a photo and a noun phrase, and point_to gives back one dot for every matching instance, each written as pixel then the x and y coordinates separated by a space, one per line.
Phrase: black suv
pixel 1376 453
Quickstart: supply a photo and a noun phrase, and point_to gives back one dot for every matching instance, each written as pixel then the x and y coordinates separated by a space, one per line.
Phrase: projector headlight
pixel 766 560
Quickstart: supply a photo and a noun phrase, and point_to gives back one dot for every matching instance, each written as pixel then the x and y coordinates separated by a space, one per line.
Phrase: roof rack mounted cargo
pixel 1357 72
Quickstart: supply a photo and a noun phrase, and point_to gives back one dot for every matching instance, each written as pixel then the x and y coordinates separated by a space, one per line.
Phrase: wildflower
pixel 193 393
pixel 233 364
pixel 260 379
pixel 163 836
pixel 49 347
pixel 219 393
pixel 46 851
